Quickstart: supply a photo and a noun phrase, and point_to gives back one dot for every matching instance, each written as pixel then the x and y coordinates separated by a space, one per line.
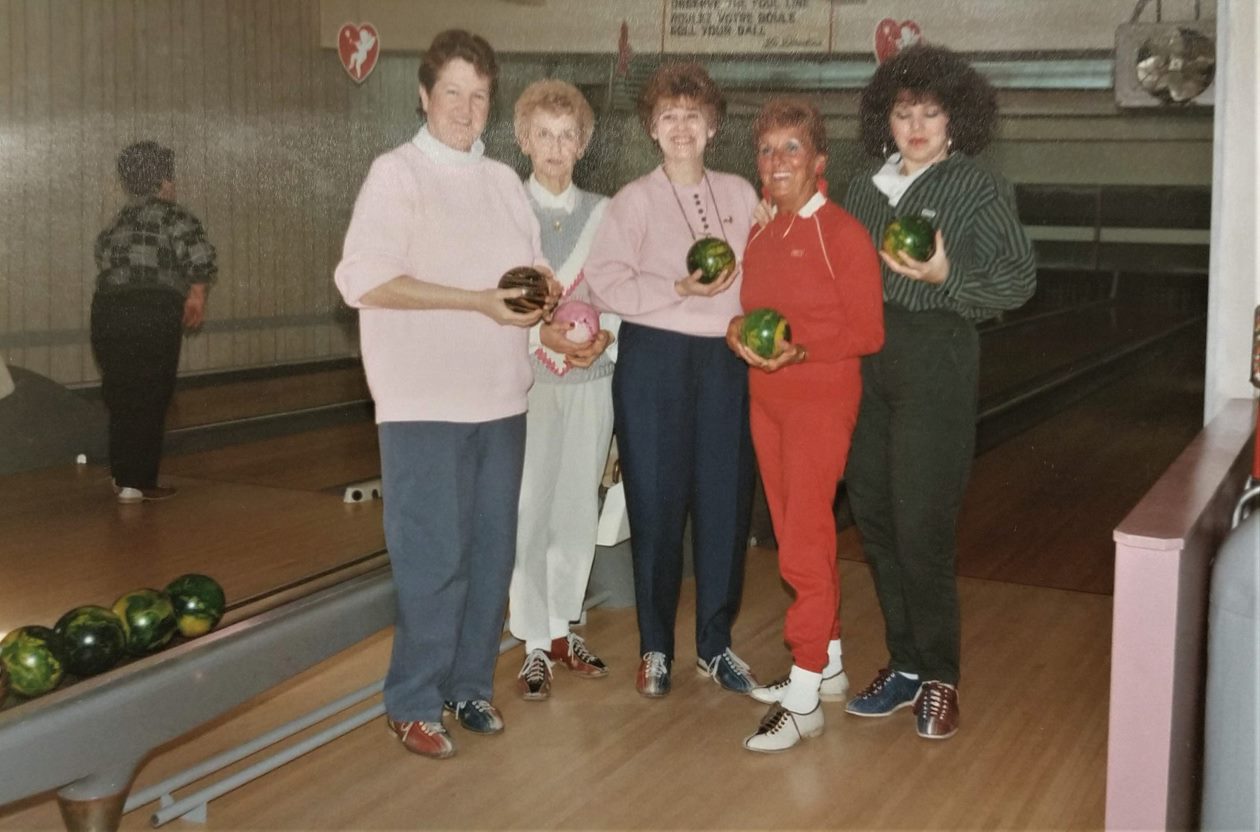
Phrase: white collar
pixel 812 206
pixel 444 153
pixel 566 200
pixel 892 182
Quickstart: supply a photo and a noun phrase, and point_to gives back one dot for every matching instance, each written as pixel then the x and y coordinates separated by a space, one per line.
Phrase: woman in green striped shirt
pixel 926 113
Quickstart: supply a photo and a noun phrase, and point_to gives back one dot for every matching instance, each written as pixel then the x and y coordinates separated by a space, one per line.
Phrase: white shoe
pixel 781 729
pixel 834 688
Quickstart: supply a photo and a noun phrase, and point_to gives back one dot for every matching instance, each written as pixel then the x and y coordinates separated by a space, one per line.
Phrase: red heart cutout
pixel 358 46
pixel 891 37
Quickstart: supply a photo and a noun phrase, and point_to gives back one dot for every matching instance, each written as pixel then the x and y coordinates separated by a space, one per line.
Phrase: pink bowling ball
pixel 583 316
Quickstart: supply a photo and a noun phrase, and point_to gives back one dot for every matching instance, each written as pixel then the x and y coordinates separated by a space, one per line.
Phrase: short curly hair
pixel 688 81
pixel 143 167
pixel 559 98
pixel 458 43
pixel 791 111
pixel 925 71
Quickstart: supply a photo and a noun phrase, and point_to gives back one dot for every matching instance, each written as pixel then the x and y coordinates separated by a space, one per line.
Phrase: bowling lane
pixel 68 542
pixel 1042 505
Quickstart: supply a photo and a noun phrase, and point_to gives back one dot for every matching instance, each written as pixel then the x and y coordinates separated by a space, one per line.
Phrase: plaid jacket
pixel 153 244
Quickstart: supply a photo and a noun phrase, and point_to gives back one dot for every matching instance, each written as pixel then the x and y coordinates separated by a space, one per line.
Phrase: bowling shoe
pixel 653 677
pixel 534 680
pixel 572 652
pixel 889 692
pixel 428 739
pixel 781 729
pixel 729 671
pixel 476 715
pixel 832 689
pixel 936 711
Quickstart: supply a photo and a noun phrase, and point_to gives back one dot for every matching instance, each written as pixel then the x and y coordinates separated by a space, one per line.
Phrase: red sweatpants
pixel 801 449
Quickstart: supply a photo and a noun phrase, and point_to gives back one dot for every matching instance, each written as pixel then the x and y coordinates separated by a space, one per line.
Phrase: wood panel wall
pixel 269 154
pixel 272 141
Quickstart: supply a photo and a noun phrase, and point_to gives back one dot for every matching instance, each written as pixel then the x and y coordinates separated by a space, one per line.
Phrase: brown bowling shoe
pixel 428 739
pixel 533 683
pixel 936 711
pixel 572 652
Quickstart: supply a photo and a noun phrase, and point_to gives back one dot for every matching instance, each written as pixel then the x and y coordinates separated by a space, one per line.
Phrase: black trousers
pixel 680 404
pixel 136 338
pixel 908 469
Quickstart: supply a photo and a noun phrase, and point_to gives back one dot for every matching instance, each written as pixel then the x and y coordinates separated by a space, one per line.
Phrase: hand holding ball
pixel 534 284
pixel 766 332
pixel 583 316
pixel 711 257
pixel 913 235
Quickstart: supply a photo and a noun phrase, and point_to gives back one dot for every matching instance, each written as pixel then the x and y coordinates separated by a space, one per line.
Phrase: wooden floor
pixel 1031 754
pixel 1035 556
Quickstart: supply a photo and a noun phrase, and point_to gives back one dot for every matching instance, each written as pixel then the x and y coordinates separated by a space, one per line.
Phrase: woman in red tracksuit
pixel 815 264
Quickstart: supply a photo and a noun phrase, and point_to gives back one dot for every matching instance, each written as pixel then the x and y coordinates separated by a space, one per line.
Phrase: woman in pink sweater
pixel 680 397
pixel 446 362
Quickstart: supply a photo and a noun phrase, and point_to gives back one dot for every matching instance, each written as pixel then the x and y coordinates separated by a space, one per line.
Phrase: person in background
pixel 814 264
pixel 915 436
pixel 434 227
pixel 680 397
pixel 155 264
pixel 570 419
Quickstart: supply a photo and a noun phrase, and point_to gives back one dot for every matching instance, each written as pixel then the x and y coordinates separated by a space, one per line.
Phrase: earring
pixel 885 150
pixel 949 143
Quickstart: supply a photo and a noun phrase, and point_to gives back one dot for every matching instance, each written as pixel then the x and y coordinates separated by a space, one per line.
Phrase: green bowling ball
pixel 765 332
pixel 149 619
pixel 913 235
pixel 711 256
pixel 94 637
pixel 198 601
pixel 4 684
pixel 35 659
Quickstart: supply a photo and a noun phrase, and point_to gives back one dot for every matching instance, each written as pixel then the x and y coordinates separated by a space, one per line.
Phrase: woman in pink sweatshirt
pixel 680 397
pixel 446 362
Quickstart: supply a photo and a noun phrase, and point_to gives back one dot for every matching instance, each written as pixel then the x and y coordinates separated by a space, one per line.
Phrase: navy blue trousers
pixel 680 404
pixel 451 492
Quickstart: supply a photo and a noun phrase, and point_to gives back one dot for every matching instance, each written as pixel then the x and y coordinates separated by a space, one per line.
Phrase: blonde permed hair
pixel 558 98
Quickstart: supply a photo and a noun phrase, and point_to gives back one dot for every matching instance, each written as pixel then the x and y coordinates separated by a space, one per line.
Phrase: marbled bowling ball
pixel 148 618
pixel 35 659
pixel 534 284
pixel 94 637
pixel 765 332
pixel 583 316
pixel 711 256
pixel 198 601
pixel 913 235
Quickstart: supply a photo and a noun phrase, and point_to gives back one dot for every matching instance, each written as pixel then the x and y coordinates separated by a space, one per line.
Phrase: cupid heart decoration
pixel 358 46
pixel 891 37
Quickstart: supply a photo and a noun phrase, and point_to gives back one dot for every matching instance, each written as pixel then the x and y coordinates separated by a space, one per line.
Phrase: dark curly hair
pixel 681 80
pixel 791 111
pixel 934 73
pixel 143 166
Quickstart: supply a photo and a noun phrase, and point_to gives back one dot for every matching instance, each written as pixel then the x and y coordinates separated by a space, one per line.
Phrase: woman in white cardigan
pixel 569 422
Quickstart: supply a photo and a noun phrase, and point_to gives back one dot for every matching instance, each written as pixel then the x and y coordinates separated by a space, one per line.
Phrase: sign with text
pixel 719 26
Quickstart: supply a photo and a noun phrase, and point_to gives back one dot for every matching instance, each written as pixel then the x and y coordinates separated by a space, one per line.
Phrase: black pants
pixel 136 338
pixel 907 472
pixel 681 410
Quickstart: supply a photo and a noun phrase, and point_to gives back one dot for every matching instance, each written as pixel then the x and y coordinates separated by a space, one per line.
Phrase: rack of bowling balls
pixel 91 639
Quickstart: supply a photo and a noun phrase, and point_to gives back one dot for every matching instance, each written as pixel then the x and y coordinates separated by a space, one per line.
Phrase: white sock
pixel 531 645
pixel 913 676
pixel 802 692
pixel 835 660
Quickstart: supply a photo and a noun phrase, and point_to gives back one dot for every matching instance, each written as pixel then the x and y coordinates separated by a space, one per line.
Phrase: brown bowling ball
pixel 532 281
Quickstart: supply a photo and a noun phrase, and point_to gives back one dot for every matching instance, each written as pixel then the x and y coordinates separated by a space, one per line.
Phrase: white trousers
pixel 567 435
